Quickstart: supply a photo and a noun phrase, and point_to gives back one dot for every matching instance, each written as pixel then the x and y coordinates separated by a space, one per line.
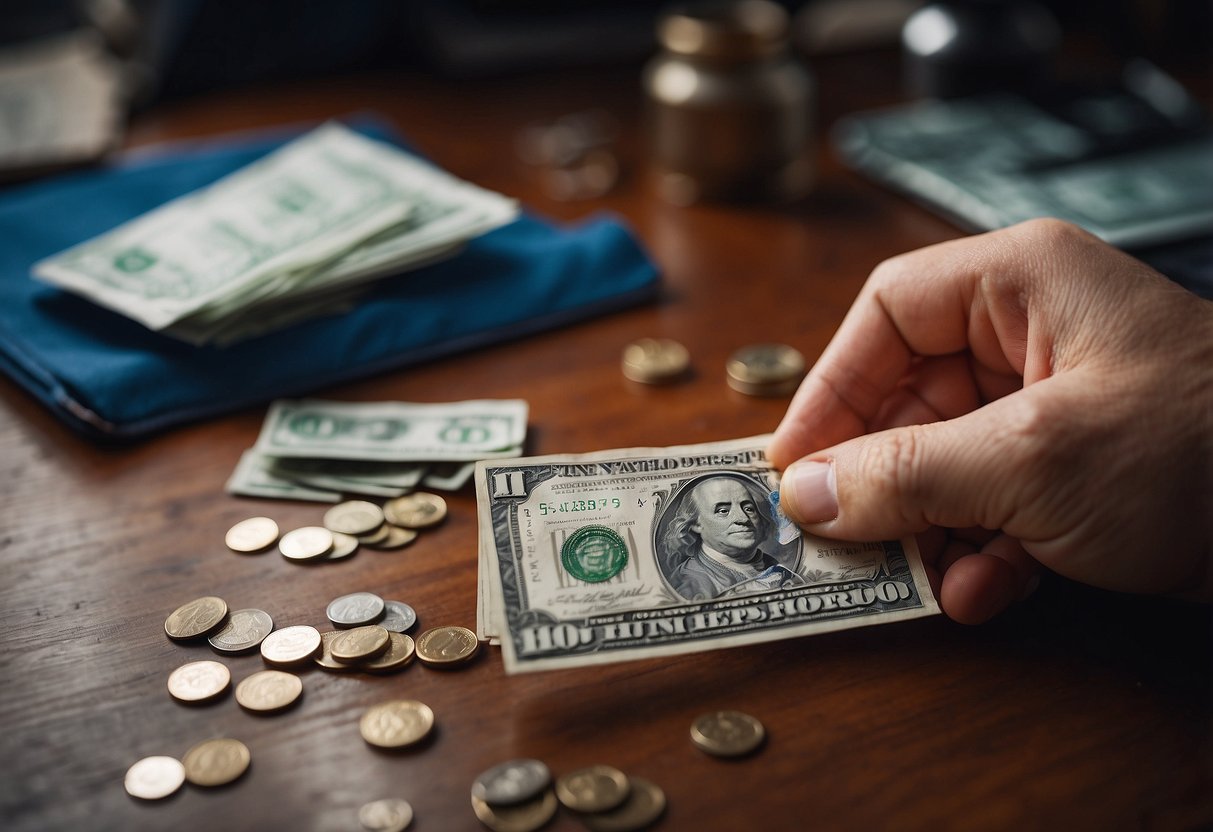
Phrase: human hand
pixel 1024 397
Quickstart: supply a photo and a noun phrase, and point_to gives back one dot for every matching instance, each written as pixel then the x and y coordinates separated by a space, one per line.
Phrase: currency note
pixel 252 478
pixel 646 552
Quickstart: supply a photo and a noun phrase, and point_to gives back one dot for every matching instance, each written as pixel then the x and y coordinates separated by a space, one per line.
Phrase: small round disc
pixel 396 724
pixel 154 778
pixel 269 691
pixel 360 643
pixel 727 733
pixel 355 610
pixel 376 536
pixel 344 545
pixel 512 782
pixel 418 510
pixel 325 657
pixel 353 517
pixel 593 789
pixel 216 762
pixel 525 817
pixel 655 360
pixel 765 370
pixel 307 543
pixel 290 646
pixel 388 815
pixel 645 804
pixel 255 534
pixel 447 646
pixel 196 619
pixel 398 617
pixel 399 655
pixel 397 537
pixel 244 630
pixel 199 682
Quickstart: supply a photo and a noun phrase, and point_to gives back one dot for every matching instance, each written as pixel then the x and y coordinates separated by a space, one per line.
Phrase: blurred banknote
pixel 310 449
pixel 655 551
pixel 297 234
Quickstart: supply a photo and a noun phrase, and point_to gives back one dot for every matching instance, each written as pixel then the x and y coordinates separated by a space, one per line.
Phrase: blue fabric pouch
pixel 106 375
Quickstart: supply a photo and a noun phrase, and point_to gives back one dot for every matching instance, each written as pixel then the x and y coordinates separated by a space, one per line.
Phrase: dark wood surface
pixel 1076 710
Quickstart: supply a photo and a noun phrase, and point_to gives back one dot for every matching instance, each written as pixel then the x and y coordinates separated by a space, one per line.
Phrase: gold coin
pixel 447 646
pixel 388 815
pixel 290 646
pixel 593 789
pixel 215 762
pixel 727 733
pixel 344 545
pixel 267 691
pixel 360 643
pixel 765 370
pixel 307 543
pixel 399 655
pixel 396 724
pixel 199 682
pixel 418 510
pixel 244 630
pixel 523 817
pixel 376 536
pixel 396 538
pixel 645 804
pixel 655 360
pixel 325 657
pixel 353 517
pixel 198 618
pixel 252 535
pixel 153 778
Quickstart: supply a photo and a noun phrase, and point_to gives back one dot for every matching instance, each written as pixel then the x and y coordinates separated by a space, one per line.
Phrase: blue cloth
pixel 106 375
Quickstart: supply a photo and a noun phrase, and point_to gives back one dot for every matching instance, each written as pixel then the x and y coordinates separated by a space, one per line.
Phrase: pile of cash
pixel 655 551
pixel 298 234
pixel 311 449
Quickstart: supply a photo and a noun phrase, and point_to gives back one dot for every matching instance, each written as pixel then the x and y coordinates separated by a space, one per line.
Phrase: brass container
pixel 731 110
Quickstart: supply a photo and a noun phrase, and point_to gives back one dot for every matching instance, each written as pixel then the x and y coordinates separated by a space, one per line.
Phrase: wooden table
pixel 1075 710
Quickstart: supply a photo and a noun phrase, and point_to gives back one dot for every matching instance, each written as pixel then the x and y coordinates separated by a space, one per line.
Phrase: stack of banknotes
pixel 323 450
pixel 647 552
pixel 300 233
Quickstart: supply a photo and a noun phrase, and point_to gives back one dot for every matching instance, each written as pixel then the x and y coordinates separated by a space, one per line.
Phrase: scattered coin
pixel 645 804
pixel 376 536
pixel 244 630
pixel 325 657
pixel 269 691
pixel 199 682
pixel 655 360
pixel 353 517
pixel 727 733
pixel 418 510
pixel 359 644
pixel 388 815
pixel 396 724
pixel 447 646
pixel 398 617
pixel 215 762
pixel 153 778
pixel 344 545
pixel 198 618
pixel 525 817
pixel 593 789
pixel 396 538
pixel 512 782
pixel 355 610
pixel 399 655
pixel 307 543
pixel 765 370
pixel 290 646
pixel 252 535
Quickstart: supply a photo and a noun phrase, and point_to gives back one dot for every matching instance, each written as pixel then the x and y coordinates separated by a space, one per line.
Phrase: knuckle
pixel 1048 231
pixel 893 470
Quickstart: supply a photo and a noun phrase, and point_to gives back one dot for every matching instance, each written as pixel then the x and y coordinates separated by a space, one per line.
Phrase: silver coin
pixel 398 617
pixel 512 782
pixel 245 629
pixel 355 609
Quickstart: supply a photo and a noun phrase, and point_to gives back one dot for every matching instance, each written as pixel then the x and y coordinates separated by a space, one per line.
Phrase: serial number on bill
pixel 598 504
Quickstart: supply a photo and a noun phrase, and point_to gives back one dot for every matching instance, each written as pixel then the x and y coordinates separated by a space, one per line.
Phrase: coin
pixel 525 817
pixel 307 543
pixel 290 646
pixel 325 657
pixel 352 646
pixel 644 805
pixel 399 655
pixel 268 691
pixel 593 789
pixel 397 537
pixel 512 782
pixel 388 815
pixel 418 510
pixel 199 682
pixel 396 724
pixel 447 646
pixel 355 609
pixel 252 535
pixel 727 733
pixel 398 617
pixel 376 536
pixel 215 762
pixel 353 517
pixel 153 778
pixel 244 630
pixel 344 545
pixel 655 360
pixel 765 370
pixel 198 618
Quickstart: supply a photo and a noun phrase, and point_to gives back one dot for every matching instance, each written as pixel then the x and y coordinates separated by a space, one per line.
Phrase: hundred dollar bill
pixel 646 552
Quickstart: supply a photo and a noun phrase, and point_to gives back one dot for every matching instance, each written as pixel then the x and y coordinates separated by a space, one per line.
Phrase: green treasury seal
pixel 594 554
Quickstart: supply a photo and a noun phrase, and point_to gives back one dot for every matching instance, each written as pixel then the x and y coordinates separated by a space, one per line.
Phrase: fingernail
pixel 808 492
